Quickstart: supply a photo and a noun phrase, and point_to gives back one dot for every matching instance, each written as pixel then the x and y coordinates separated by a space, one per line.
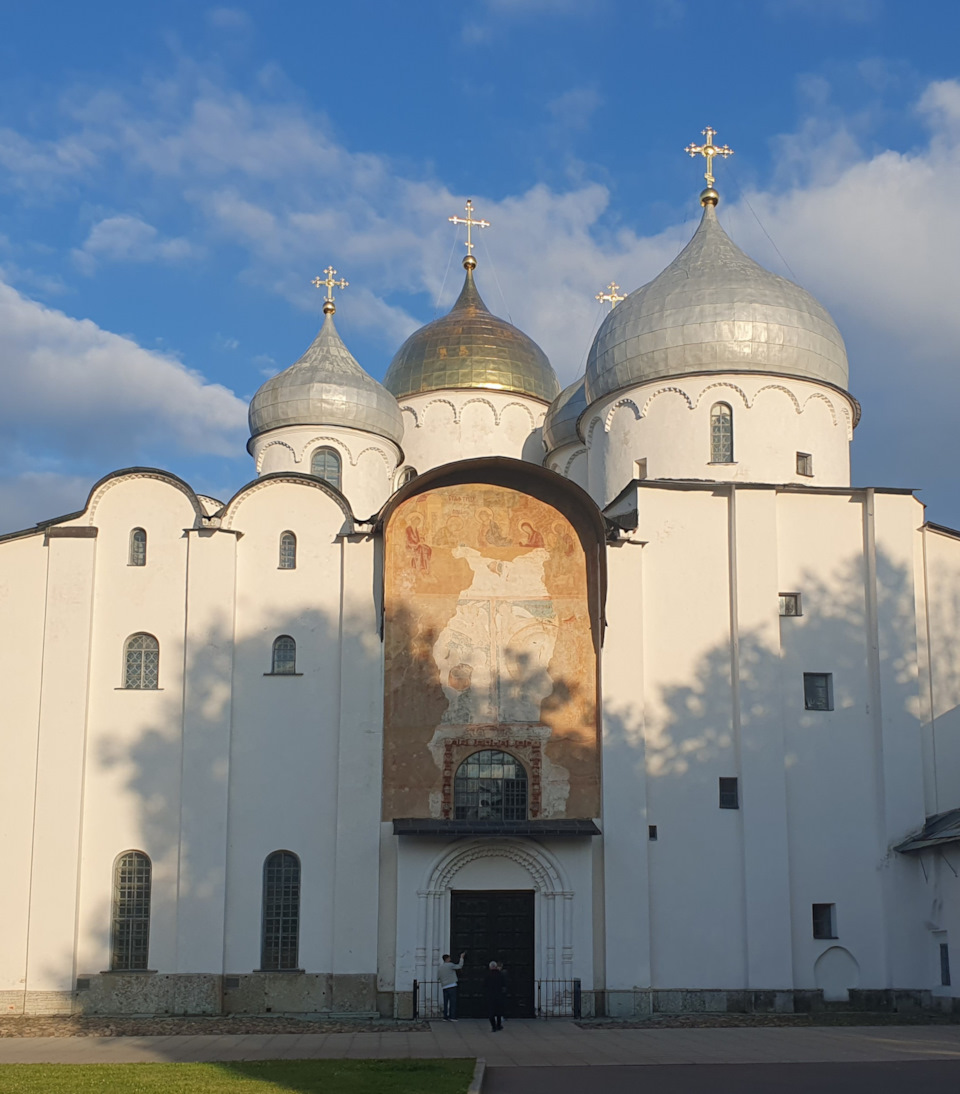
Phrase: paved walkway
pixel 531 1043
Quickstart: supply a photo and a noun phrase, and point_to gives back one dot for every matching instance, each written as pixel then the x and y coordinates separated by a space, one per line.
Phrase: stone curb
pixel 476 1083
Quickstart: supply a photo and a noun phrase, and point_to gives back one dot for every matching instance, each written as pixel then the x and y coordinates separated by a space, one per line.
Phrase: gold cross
pixel 612 294
pixel 470 223
pixel 330 284
pixel 708 150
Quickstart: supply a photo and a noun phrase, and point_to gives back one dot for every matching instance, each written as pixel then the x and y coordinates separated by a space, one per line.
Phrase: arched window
pixel 721 433
pixel 408 474
pixel 288 551
pixel 284 654
pixel 281 911
pixel 130 931
pixel 138 548
pixel 325 464
pixel 490 785
pixel 141 662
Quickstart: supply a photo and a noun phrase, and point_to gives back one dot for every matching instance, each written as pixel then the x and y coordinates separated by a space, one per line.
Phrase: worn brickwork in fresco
pixel 488 645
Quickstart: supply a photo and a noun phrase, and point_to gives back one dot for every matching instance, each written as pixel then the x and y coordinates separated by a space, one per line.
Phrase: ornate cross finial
pixel 330 284
pixel 708 150
pixel 612 294
pixel 469 261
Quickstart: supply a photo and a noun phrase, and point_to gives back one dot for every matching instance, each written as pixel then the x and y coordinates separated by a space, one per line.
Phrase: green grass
pixel 260 1077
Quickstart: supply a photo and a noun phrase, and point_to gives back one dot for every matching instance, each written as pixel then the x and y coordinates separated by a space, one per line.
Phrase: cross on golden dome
pixel 330 283
pixel 612 294
pixel 708 150
pixel 470 223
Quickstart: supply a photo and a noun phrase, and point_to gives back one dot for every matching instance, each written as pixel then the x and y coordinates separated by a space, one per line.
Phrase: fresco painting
pixel 488 645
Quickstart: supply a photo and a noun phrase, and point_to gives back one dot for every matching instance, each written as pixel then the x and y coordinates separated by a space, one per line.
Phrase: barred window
pixel 130 933
pixel 490 785
pixel 284 654
pixel 325 464
pixel 818 690
pixel 138 548
pixel 721 433
pixel 141 662
pixel 281 911
pixel 288 551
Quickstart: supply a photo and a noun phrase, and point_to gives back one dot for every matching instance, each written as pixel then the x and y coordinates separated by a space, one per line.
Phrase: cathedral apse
pixel 488 645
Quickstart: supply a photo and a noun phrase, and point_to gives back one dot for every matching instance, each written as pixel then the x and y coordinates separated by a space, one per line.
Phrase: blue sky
pixel 172 176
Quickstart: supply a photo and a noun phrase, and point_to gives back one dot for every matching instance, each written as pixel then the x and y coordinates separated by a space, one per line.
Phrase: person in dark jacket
pixel 493 991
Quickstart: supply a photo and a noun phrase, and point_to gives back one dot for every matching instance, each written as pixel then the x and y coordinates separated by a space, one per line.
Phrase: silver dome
pixel 713 309
pixel 326 387
pixel 560 423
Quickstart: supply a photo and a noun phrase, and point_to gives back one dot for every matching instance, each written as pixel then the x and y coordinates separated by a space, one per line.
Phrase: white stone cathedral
pixel 624 685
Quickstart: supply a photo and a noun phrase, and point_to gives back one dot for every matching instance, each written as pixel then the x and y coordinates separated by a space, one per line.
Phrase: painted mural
pixel 488 645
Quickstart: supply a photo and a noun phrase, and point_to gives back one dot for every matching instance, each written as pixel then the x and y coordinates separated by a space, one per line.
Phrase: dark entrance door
pixel 493 925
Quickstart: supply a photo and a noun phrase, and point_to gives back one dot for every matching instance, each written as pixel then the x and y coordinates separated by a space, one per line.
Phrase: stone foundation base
pixel 648 1003
pixel 158 994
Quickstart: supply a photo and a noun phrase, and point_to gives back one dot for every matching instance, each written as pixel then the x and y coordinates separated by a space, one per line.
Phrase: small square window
pixel 818 690
pixel 944 964
pixel 729 794
pixel 824 921
pixel 652 832
pixel 790 604
pixel 640 469
pixel 805 464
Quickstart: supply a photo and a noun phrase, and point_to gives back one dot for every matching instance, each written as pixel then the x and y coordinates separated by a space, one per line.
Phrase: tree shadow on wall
pixel 836 774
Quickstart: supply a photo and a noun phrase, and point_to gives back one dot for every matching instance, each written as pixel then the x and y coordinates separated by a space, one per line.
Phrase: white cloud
pixel 575 107
pixel 73 390
pixel 32 496
pixel 127 238
pixel 232 19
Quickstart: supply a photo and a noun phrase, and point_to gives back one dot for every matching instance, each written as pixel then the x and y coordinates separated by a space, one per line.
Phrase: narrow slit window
pixel 818 690
pixel 325 464
pixel 729 794
pixel 945 964
pixel 824 921
pixel 721 433
pixel 284 656
pixel 130 933
pixel 408 474
pixel 138 548
pixel 141 662
pixel 288 551
pixel 281 911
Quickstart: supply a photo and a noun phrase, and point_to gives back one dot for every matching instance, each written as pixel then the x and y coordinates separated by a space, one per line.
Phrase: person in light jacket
pixel 448 981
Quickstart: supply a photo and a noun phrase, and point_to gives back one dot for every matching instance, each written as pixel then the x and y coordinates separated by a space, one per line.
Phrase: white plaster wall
pixel 570 460
pixel 696 864
pixel 133 766
pixel 443 426
pixel 940 578
pixel 23 575
pixel 283 750
pixel 368 462
pixel 668 424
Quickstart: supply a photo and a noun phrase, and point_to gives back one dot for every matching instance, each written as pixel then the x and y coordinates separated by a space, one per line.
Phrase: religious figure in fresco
pixel 420 551
pixel 451 534
pixel 531 537
pixel 492 532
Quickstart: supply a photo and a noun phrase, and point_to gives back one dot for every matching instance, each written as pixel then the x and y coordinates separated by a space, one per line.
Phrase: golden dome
pixel 471 348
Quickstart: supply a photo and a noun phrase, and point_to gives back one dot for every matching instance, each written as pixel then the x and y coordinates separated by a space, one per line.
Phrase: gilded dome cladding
pixel 326 387
pixel 560 423
pixel 713 309
pixel 471 348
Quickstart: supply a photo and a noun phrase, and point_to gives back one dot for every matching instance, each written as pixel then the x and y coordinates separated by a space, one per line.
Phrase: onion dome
pixel 326 387
pixel 713 309
pixel 471 348
pixel 560 424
